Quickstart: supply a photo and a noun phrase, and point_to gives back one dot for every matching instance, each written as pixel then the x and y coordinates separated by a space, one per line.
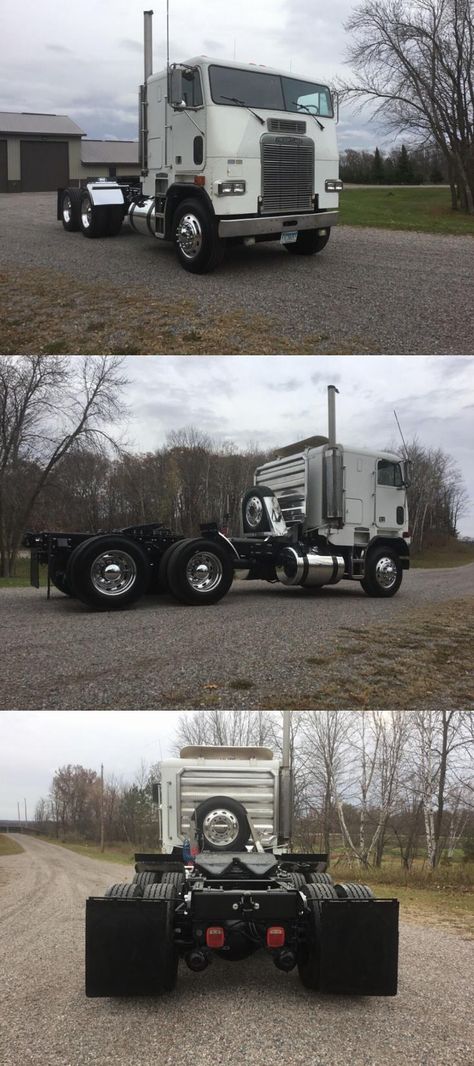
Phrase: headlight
pixel 230 188
pixel 333 185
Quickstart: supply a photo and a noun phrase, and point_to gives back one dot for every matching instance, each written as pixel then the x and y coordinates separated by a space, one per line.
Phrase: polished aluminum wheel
pixel 113 573
pixel 253 511
pixel 67 208
pixel 189 235
pixel 220 827
pixel 86 213
pixel 386 572
pixel 204 572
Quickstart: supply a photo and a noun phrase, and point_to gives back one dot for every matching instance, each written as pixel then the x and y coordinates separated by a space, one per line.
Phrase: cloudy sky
pixel 275 400
pixel 86 61
pixel 35 744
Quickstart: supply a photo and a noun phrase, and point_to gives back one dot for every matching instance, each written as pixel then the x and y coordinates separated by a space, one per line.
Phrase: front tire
pixel 199 572
pixel 198 246
pixel 383 573
pixel 308 242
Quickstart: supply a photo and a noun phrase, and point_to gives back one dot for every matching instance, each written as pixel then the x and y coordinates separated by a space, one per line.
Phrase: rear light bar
pixel 215 936
pixel 275 936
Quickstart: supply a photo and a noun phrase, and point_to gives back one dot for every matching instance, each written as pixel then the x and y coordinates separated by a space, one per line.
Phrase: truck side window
pixel 389 473
pixel 192 92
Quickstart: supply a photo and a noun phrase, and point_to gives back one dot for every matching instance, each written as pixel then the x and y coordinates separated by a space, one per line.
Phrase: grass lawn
pixel 424 209
pixel 456 554
pixel 22 576
pixel 8 846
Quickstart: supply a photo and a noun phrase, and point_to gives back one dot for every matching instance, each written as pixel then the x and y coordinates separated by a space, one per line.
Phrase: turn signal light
pixel 215 936
pixel 199 179
pixel 275 936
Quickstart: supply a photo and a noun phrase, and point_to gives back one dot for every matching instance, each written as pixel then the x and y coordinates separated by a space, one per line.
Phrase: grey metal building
pixel 38 152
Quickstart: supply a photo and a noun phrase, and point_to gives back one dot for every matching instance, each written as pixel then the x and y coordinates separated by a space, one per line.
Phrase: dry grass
pixel 48 312
pixel 8 846
pixel 422 661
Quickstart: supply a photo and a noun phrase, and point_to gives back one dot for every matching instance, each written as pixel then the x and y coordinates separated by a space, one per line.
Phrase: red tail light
pixel 275 936
pixel 215 936
pixel 407 534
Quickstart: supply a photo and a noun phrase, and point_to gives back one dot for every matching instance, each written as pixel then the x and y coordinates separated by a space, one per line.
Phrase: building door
pixel 44 165
pixel 3 167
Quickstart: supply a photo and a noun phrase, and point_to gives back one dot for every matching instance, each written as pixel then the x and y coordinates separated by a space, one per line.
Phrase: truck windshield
pixel 273 92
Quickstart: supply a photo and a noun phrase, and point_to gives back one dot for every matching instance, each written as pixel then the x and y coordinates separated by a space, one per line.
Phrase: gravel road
pixel 60 655
pixel 247 1012
pixel 369 291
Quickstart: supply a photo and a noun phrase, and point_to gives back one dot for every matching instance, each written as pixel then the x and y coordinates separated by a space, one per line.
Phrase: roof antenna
pixel 401 434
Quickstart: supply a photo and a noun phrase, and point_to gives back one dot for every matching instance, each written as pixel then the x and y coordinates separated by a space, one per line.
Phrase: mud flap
pixel 359 947
pixel 129 947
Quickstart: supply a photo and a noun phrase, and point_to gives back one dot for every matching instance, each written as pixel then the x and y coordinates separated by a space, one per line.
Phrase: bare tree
pixel 226 728
pixel 414 58
pixel 48 406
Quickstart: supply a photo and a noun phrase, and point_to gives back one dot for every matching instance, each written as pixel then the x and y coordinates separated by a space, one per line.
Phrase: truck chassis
pixel 339 936
pixel 107 571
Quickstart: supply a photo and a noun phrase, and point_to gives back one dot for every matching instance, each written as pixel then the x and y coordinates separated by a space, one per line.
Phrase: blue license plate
pixel 289 237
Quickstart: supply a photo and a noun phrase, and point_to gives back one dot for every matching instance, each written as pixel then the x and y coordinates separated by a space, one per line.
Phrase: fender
pixel 105 193
pixel 179 191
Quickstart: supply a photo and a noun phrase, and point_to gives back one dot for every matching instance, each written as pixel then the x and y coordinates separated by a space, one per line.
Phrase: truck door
pixel 390 496
pixel 188 128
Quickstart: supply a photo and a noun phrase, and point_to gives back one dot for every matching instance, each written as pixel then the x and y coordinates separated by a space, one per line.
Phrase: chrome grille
pixel 287 174
pixel 286 125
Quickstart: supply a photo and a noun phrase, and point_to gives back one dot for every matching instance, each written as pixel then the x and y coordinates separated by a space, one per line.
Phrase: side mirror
pixel 335 105
pixel 407 472
pixel 175 90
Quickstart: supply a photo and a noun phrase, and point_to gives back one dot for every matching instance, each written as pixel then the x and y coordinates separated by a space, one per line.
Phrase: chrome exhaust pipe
pixel 332 415
pixel 309 569
pixel 148 44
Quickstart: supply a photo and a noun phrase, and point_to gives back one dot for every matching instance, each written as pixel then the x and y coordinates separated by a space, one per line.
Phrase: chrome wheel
pixel 386 572
pixel 67 208
pixel 86 213
pixel 253 511
pixel 113 573
pixel 204 572
pixel 189 236
pixel 220 827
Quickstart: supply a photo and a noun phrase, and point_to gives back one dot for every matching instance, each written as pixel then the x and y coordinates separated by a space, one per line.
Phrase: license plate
pixel 289 237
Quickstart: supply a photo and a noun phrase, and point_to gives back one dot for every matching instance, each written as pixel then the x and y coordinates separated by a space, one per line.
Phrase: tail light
pixel 215 936
pixel 275 936
pixel 407 534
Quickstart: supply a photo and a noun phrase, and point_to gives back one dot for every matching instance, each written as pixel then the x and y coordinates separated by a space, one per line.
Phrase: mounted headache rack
pixel 317 513
pixel 230 897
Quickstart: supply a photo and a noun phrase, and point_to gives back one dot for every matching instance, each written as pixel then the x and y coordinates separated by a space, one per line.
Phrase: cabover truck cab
pixel 230 153
pixel 226 885
pixel 319 512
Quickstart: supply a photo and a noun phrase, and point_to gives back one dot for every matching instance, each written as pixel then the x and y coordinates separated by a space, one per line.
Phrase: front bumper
pixel 260 225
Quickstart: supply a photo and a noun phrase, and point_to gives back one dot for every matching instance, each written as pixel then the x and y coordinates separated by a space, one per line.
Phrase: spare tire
pixel 222 824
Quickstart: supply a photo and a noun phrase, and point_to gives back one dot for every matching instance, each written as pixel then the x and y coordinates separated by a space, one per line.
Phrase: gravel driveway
pixel 248 1012
pixel 370 291
pixel 60 655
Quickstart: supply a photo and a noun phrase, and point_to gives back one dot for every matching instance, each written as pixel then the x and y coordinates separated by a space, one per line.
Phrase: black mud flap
pixel 34 570
pixel 129 947
pixel 359 947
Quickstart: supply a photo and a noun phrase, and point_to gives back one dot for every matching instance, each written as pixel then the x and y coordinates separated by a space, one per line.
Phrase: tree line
pixel 401 166
pixel 62 465
pixel 367 783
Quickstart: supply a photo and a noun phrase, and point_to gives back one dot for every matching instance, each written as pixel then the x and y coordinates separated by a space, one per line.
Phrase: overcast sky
pixel 86 61
pixel 275 400
pixel 33 744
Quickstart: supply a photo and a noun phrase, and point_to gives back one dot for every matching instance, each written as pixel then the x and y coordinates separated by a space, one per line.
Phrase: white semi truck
pixel 225 883
pixel 229 153
pixel 318 513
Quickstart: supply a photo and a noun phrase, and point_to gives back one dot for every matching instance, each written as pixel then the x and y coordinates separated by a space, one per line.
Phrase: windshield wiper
pixel 303 107
pixel 241 103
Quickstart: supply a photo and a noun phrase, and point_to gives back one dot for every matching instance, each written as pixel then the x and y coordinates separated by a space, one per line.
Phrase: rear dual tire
pixel 197 571
pixel 108 573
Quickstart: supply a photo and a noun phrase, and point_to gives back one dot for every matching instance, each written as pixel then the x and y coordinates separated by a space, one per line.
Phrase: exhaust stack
pixel 332 415
pixel 286 785
pixel 148 44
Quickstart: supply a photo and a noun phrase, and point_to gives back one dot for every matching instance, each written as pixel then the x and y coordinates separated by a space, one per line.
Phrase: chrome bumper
pixel 259 225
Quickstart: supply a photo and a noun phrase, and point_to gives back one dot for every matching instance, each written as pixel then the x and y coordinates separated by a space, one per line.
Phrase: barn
pixel 38 152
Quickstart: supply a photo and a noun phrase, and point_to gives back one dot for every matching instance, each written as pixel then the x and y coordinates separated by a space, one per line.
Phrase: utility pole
pixel 102 844
pixel 26 815
pixel 18 809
